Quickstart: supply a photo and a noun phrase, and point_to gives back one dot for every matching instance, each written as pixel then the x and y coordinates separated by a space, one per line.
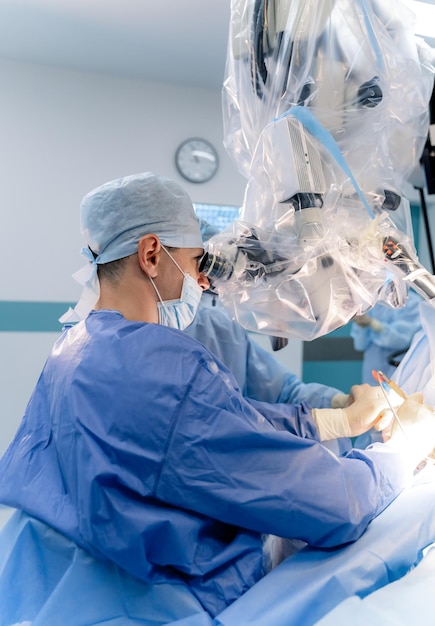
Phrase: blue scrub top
pixel 139 447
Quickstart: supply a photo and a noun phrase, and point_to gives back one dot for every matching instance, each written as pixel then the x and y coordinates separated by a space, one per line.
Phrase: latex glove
pixel 367 406
pixel 340 400
pixel 367 321
pixel 415 435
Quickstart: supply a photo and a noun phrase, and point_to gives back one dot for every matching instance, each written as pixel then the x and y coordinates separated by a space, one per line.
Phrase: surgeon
pixel 140 464
pixel 416 370
pixel 384 334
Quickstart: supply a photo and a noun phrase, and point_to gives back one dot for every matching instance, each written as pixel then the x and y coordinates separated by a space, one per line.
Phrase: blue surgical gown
pixel 138 447
pixel 416 370
pixel 400 325
pixel 258 373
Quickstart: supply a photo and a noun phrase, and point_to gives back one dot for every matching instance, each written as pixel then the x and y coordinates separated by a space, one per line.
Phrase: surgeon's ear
pixel 148 250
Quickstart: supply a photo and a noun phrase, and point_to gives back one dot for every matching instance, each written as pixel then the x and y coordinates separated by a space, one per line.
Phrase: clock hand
pixel 197 154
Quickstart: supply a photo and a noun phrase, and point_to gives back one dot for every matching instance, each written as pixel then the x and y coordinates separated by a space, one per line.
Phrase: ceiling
pixel 178 41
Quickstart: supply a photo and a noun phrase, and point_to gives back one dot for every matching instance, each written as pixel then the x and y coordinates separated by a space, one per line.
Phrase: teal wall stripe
pixel 340 374
pixel 332 360
pixel 331 349
pixel 16 316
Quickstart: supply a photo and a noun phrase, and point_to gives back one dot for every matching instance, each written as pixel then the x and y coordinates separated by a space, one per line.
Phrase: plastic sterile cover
pixel 326 114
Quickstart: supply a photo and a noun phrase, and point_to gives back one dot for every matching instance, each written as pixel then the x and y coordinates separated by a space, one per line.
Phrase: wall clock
pixel 197 160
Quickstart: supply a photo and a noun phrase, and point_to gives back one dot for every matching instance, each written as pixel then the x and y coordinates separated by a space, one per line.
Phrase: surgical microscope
pixel 326 112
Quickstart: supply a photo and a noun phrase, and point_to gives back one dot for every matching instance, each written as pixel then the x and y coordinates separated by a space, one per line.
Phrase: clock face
pixel 197 160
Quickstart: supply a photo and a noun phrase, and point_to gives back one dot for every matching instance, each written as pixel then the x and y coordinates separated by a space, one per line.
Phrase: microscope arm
pixel 413 271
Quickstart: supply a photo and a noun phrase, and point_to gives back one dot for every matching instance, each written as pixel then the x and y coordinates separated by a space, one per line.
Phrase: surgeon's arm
pixel 367 409
pixel 314 394
pixel 233 465
pixel 396 329
pixel 269 380
pixel 226 459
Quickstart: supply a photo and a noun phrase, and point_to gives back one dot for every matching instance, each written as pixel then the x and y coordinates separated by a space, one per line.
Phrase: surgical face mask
pixel 181 312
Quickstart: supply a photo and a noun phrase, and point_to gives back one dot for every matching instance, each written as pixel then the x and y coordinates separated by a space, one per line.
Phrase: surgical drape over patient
pixel 326 114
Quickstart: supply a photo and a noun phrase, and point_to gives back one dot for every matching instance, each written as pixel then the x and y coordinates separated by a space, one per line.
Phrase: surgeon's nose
pixel 203 282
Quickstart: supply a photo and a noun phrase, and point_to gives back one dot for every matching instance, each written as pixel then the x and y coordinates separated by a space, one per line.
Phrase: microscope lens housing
pixel 215 267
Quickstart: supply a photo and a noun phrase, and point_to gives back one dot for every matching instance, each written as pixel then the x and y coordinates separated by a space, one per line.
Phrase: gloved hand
pixel 367 407
pixel 365 320
pixel 340 400
pixel 415 435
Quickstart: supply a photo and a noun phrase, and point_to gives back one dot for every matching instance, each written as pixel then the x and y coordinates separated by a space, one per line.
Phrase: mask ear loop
pixel 156 290
pixel 173 260
pixel 153 283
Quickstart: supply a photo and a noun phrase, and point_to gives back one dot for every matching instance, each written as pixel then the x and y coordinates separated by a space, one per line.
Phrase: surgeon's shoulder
pixel 177 340
pixel 182 348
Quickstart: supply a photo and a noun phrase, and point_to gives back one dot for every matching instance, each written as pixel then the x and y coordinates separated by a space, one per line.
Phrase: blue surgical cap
pixel 116 215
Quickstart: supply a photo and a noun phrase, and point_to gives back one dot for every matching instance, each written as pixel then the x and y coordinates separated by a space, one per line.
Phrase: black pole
pixel 427 227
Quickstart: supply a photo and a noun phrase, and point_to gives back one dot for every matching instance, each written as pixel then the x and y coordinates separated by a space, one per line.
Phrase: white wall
pixel 65 132
pixel 62 133
pixel 22 356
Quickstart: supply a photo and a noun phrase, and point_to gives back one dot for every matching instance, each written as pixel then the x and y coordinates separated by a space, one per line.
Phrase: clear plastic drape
pixel 325 114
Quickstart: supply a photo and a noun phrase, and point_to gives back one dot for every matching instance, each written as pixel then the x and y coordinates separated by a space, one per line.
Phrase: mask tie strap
pixel 88 277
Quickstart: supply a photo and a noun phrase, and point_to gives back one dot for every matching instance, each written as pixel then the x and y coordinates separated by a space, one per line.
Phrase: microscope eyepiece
pixel 215 267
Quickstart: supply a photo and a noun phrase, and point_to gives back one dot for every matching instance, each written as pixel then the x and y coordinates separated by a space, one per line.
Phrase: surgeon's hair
pixel 112 272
